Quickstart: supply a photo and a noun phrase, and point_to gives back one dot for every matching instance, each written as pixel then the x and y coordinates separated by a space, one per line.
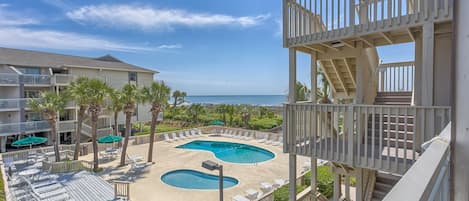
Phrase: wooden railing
pixel 428 179
pixel 314 21
pixel 121 190
pixel 396 77
pixel 370 136
pixel 67 166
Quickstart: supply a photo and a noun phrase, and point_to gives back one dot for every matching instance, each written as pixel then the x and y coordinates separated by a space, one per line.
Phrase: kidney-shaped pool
pixel 231 152
pixel 191 179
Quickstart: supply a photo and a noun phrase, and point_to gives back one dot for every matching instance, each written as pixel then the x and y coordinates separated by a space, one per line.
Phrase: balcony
pixel 23 127
pixel 13 104
pixel 9 79
pixel 376 137
pixel 319 21
pixel 33 80
pixel 62 79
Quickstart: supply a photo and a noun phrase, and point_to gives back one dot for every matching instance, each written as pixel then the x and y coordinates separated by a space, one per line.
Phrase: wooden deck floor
pixel 85 186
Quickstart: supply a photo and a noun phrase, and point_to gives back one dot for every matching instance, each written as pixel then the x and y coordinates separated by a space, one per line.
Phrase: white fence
pixel 396 77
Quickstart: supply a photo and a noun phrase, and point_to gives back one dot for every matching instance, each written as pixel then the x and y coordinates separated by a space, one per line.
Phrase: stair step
pixel 383 186
pixel 392 135
pixel 392 142
pixel 401 93
pixel 377 194
pixel 392 103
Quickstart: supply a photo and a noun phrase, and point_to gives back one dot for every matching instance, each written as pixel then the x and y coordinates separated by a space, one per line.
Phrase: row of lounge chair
pixel 182 135
pixel 265 187
pixel 275 140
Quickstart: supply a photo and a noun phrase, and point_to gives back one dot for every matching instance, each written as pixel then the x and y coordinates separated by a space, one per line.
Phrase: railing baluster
pixel 381 137
pixel 367 120
pixel 388 114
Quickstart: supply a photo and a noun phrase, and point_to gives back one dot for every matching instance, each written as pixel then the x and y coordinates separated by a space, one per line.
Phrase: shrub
pixel 325 180
pixel 262 124
pixel 281 194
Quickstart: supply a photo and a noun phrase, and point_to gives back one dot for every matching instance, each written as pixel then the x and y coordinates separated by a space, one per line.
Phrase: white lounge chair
pixel 239 135
pixel 279 183
pixel 194 133
pixel 264 139
pixel 247 136
pixel 252 194
pixel 279 141
pixel 228 133
pixel 175 137
pixel 134 158
pixel 198 132
pixel 239 198
pixel 266 187
pixel 272 140
pixel 167 138
pixel 181 136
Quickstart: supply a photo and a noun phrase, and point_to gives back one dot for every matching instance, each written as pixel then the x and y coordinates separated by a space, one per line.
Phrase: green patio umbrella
pixel 29 141
pixel 217 123
pixel 110 139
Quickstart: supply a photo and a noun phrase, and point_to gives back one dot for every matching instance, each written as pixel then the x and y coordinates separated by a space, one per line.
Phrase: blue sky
pixel 204 47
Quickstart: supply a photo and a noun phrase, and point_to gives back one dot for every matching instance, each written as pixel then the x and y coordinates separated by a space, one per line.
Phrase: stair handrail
pixel 428 179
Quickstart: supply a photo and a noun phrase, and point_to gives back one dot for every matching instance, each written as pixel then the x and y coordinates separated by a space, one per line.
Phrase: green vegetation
pixel 2 189
pixel 325 180
pixel 161 128
pixel 245 116
pixel 281 194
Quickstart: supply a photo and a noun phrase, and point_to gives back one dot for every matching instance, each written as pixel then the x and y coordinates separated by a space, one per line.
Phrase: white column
pixel 428 44
pixel 417 94
pixel 359 184
pixel 291 99
pixel 337 186
pixel 347 187
pixel 460 127
pixel 314 167
pixel 314 162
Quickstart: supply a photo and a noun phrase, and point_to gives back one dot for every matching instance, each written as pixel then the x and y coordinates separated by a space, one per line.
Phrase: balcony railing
pixel 62 79
pixel 14 104
pixel 369 136
pixel 9 79
pixel 396 77
pixel 310 21
pixel 35 79
pixel 428 179
pixel 67 126
pixel 23 127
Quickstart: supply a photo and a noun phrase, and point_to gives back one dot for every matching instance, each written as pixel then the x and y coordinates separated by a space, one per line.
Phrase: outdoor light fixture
pixel 210 165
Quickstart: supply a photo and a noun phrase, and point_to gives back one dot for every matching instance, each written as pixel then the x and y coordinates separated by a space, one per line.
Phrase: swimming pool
pixel 191 179
pixel 231 152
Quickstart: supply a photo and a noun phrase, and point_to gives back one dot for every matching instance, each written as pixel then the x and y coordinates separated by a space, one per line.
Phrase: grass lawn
pixel 2 189
pixel 162 128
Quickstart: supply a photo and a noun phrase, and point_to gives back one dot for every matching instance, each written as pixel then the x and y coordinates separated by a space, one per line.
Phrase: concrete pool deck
pixel 147 185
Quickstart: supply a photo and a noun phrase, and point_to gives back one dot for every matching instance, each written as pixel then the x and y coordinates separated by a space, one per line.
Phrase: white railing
pixel 29 79
pixel 62 79
pixel 306 21
pixel 67 126
pixel 9 79
pixel 14 103
pixel 396 77
pixel 369 136
pixel 23 127
pixel 428 179
pixel 121 190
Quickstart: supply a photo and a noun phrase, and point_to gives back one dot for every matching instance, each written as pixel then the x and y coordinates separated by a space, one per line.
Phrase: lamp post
pixel 210 165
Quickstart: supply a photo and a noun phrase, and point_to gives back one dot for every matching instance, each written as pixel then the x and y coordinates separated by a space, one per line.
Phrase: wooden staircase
pixel 340 73
pixel 384 183
pixel 393 98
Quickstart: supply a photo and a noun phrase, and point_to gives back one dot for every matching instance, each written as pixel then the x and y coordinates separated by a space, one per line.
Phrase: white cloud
pixel 143 17
pixel 8 18
pixel 23 37
pixel 176 46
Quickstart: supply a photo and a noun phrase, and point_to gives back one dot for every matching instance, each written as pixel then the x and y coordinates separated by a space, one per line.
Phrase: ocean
pixel 263 100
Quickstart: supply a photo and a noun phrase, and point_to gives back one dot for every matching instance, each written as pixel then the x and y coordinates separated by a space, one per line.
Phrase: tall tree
pixel 117 105
pixel 231 111
pixel 50 105
pixel 97 94
pixel 221 109
pixel 77 91
pixel 302 92
pixel 194 111
pixel 157 94
pixel 183 96
pixel 323 94
pixel 131 95
pixel 176 96
pixel 246 113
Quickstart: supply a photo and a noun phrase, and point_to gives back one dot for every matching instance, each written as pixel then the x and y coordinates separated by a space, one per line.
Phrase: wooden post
pixel 292 99
pixel 359 184
pixel 347 187
pixel 428 44
pixel 337 186
pixel 314 165
pixel 314 75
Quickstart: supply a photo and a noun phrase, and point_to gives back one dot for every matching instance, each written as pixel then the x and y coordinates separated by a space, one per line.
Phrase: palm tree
pixel 157 94
pixel 116 106
pixel 194 111
pixel 77 91
pixel 50 105
pixel 302 91
pixel 97 93
pixel 176 96
pixel 323 94
pixel 246 113
pixel 222 110
pixel 183 96
pixel 230 110
pixel 130 96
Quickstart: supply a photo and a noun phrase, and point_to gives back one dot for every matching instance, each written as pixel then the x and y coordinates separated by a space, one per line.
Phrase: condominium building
pixel 403 134
pixel 25 74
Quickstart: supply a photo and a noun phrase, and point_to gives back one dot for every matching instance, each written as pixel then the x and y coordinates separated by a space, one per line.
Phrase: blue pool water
pixel 231 152
pixel 192 179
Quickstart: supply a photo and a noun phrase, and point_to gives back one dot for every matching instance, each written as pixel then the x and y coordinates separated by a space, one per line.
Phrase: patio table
pixel 29 173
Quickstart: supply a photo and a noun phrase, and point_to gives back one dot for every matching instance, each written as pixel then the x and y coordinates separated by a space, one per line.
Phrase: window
pixel 31 94
pixel 132 76
pixel 30 70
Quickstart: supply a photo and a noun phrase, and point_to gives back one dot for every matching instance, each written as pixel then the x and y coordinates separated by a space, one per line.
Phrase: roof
pixel 16 57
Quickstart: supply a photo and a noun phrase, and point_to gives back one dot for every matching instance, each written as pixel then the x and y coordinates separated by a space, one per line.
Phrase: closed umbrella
pixel 29 141
pixel 217 123
pixel 109 139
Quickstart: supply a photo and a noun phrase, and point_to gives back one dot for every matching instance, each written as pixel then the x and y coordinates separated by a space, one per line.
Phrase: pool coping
pixel 191 189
